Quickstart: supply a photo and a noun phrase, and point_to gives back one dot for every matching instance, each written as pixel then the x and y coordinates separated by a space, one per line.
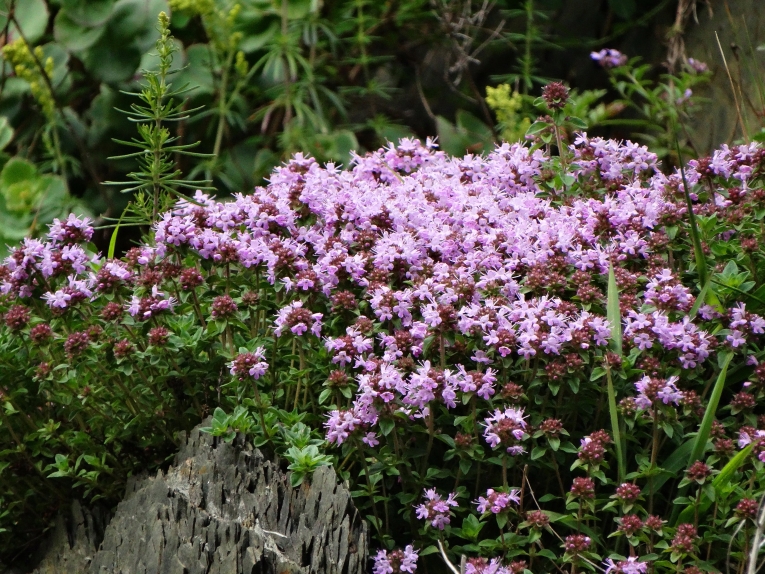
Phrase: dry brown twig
pixel 676 42
pixel 462 24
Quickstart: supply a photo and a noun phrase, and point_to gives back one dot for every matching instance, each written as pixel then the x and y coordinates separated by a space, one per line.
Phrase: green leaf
pixel 255 40
pixel 701 261
pixel 6 132
pixel 32 16
pixel 699 300
pixel 732 466
pixel 538 452
pixel 614 414
pixel 700 442
pixel 130 32
pixel 386 426
pixel 537 127
pixel 220 417
pixel 476 131
pixel 501 520
pixel 74 36
pixel 113 240
pixel 675 463
pixel 123 62
pixel 87 13
pixel 428 550
pixel 702 436
pixel 613 312
pixel 578 123
pixel 17 170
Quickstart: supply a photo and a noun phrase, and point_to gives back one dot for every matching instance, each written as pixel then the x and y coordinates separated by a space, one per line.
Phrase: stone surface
pixel 220 509
pixel 74 541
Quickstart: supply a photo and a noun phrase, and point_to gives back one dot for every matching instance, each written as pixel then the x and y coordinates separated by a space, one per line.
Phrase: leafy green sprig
pixel 158 181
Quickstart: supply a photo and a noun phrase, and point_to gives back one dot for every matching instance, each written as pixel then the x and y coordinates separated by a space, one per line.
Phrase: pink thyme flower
pixel 298 320
pixel 654 391
pixel 506 428
pixel 609 58
pixel 395 561
pixel 497 502
pixel 631 565
pixel 249 365
pixel 435 509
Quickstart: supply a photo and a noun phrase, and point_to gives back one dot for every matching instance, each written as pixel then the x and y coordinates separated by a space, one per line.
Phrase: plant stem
pixel 369 485
pixel 222 107
pixel 300 377
pixel 260 410
pixel 287 78
pixel 654 453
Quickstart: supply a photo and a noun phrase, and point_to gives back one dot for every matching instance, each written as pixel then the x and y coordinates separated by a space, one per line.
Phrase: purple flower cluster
pixel 395 561
pixel 435 509
pixel 249 365
pixel 497 502
pixel 430 286
pixel 609 58
pixel 653 391
pixel 631 565
pixel 506 429
pixel 486 566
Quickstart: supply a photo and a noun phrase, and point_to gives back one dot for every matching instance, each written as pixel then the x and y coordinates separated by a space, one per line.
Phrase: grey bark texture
pixel 739 24
pixel 220 509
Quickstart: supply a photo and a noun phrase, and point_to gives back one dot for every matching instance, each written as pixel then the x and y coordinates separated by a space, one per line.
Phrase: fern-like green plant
pixel 158 181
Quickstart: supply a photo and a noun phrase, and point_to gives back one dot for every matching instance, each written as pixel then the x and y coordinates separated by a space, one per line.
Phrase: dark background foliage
pixel 324 78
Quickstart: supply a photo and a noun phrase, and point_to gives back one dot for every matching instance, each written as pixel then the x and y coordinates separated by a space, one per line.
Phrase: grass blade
pixel 718 484
pixel 700 443
pixel 113 240
pixel 613 312
pixel 621 461
pixel 701 261
pixel 673 464
pixel 699 301
pixel 732 466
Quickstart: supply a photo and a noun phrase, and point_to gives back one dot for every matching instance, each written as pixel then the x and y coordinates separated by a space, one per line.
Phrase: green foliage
pixel 326 79
pixel 227 426
pixel 469 135
pixel 158 178
pixel 660 105
pixel 30 201
pixel 508 107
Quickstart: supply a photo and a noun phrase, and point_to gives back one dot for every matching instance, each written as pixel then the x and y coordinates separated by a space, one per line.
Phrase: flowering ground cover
pixel 539 363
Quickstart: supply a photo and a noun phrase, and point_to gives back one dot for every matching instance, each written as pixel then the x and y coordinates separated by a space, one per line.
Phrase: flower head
pixel 249 366
pixel 395 561
pixel 609 58
pixel 631 565
pixel 497 502
pixel 436 509
pixel 507 429
pixel 555 95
